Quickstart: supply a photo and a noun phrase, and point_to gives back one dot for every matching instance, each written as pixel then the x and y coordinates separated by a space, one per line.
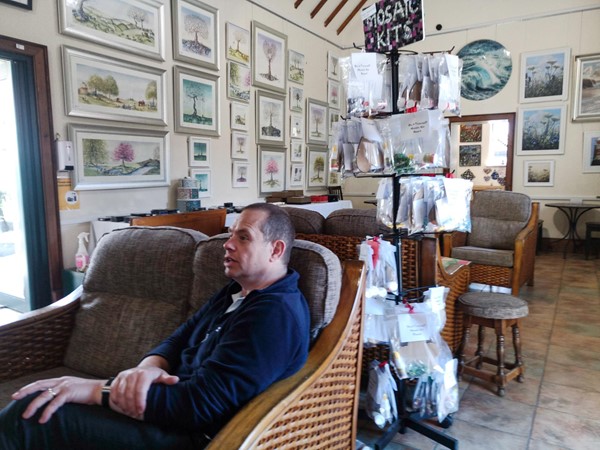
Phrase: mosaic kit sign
pixel 391 24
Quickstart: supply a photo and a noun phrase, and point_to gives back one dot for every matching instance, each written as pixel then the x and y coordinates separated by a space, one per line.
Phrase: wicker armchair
pixel 502 241
pixel 163 277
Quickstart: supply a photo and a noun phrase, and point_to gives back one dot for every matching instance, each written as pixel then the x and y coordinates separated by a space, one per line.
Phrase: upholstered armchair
pixel 501 244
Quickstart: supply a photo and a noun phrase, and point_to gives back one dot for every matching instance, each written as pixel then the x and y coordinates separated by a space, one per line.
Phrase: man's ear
pixel 278 249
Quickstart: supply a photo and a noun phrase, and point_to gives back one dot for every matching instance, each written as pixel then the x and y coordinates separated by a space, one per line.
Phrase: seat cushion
pixel 319 268
pixel 497 217
pixel 353 222
pixel 135 293
pixel 305 220
pixel 492 305
pixel 485 256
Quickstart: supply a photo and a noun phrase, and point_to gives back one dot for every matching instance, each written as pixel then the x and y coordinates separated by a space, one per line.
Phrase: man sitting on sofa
pixel 252 333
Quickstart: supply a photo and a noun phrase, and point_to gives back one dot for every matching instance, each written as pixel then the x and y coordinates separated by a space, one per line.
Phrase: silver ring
pixel 52 393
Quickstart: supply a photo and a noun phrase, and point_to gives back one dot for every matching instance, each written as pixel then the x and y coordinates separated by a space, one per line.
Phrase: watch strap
pixel 106 393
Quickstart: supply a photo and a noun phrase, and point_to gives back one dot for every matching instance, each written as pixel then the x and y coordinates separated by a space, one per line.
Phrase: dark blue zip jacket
pixel 224 360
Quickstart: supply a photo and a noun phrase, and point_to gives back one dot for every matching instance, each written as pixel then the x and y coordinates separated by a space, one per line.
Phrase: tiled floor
pixel 558 405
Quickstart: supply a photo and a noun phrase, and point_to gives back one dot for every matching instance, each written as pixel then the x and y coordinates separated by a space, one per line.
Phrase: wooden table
pixel 573 212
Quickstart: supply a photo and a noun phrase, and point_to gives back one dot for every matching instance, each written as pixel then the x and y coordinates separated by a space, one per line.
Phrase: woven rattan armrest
pixel 37 340
pixel 318 406
pixel 451 240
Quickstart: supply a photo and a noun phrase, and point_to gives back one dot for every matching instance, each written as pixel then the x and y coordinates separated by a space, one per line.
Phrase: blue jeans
pixel 87 427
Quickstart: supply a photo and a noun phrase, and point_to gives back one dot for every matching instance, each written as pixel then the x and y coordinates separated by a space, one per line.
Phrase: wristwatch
pixel 106 392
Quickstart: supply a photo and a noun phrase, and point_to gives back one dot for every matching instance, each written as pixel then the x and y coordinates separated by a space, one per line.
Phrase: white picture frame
pixel 198 151
pixel 539 173
pixel 541 130
pixel 296 178
pixel 196 33
pixel 239 86
pixel 240 145
pixel 296 66
pixel 190 86
pixel 316 122
pixel 544 75
pixel 240 172
pixel 333 66
pixel 296 126
pixel 296 99
pixel 204 179
pixel 240 116
pixel 297 150
pixel 272 169
pixel 317 167
pixel 269 62
pixel 238 43
pixel 591 152
pixel 270 118
pixel 333 94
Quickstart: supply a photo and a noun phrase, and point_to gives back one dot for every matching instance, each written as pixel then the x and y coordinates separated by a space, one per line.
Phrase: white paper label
pixel 413 327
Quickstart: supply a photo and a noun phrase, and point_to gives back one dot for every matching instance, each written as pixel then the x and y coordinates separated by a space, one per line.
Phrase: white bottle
pixel 82 258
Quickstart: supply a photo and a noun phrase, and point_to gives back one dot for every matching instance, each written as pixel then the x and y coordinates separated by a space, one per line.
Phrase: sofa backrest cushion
pixel 352 222
pixel 497 217
pixel 135 293
pixel 320 277
pixel 306 220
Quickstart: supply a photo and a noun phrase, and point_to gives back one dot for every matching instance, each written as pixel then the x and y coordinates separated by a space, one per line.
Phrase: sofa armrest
pixel 37 340
pixel 322 396
pixel 525 245
pixel 451 240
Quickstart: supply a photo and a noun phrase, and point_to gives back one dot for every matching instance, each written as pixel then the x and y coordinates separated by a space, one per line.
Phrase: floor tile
pixel 566 431
pixel 570 400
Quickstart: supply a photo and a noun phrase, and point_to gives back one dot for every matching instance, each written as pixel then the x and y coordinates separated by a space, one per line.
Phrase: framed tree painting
pixel 196 102
pixel 316 122
pixel 203 177
pixel 113 89
pixel 239 116
pixel 541 130
pixel 586 98
pixel 297 150
pixel 316 167
pixel 296 99
pixel 195 33
pixel 544 75
pixel 333 66
pixel 240 145
pixel 296 175
pixel 238 43
pixel 238 82
pixel 270 118
pixel 198 151
pixel 239 176
pixel 118 158
pixel 333 94
pixel 134 26
pixel 272 168
pixel 296 67
pixel 269 58
pixel 297 126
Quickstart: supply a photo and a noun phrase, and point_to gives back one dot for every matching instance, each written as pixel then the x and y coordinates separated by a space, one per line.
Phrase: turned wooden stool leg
pixel 501 372
pixel 480 341
pixel 463 345
pixel 517 347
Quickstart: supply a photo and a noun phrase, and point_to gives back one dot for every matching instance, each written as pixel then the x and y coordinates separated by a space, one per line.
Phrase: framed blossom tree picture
pixel 272 168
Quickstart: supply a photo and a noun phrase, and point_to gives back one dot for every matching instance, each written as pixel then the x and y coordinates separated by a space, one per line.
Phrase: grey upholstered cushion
pixel 497 217
pixel 485 256
pixel 305 220
pixel 492 305
pixel 136 292
pixel 319 269
pixel 353 222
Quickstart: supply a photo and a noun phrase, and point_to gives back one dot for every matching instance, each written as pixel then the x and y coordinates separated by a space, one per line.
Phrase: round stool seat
pixel 492 305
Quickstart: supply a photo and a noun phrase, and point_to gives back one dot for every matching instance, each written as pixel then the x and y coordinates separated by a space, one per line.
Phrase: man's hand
pixel 55 392
pixel 130 388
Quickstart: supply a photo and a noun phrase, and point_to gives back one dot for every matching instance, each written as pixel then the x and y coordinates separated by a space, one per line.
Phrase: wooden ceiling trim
pixel 350 16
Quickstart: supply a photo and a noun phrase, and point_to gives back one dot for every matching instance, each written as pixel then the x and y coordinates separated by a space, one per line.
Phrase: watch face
pixel 487 67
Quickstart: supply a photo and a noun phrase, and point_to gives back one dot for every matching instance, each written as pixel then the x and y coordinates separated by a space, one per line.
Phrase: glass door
pixel 13 256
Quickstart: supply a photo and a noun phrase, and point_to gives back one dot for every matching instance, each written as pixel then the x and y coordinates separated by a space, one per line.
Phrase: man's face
pixel 247 255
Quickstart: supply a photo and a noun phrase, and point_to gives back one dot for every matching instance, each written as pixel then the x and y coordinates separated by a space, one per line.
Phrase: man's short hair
pixel 276 226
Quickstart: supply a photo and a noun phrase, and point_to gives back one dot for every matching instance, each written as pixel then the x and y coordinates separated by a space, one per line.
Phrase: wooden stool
pixel 591 227
pixel 497 311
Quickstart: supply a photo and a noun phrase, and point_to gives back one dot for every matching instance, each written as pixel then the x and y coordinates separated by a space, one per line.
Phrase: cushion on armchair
pixel 130 268
pixel 353 222
pixel 320 277
pixel 306 220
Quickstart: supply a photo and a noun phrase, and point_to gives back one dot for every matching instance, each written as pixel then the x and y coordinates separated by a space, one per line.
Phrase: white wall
pixel 510 22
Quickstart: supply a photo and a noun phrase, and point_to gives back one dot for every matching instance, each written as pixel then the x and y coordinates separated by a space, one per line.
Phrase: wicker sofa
pixel 144 281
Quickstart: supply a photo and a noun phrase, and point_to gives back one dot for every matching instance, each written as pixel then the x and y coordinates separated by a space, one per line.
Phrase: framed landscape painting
pixel 113 89
pixel 586 98
pixel 239 116
pixel 545 75
pixel 196 33
pixel 203 177
pixel 539 173
pixel 134 26
pixel 271 164
pixel 296 67
pixel 269 58
pixel 118 158
pixel 541 130
pixel 198 151
pixel 270 118
pixel 196 102
pixel 238 43
pixel 591 152
pixel 238 82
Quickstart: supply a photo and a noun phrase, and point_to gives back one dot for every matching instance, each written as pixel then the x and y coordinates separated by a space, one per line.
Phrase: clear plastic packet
pixel 450 70
pixel 381 398
pixel 367 82
pixel 454 211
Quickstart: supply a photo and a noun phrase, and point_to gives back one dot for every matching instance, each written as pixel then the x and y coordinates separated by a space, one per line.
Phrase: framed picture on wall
pixel 240 146
pixel 239 116
pixel 586 96
pixel 134 26
pixel 296 175
pixel 198 151
pixel 240 173
pixel 541 130
pixel 203 177
pixel 196 102
pixel 238 43
pixel 238 82
pixel 296 99
pixel 270 118
pixel 26 4
pixel 539 173
pixel 316 122
pixel 271 169
pixel 316 167
pixel 297 126
pixel 591 152
pixel 333 94
pixel 333 66
pixel 296 67
pixel 119 158
pixel 297 150
pixel 196 33
pixel 544 75
pixel 95 87
pixel 269 62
